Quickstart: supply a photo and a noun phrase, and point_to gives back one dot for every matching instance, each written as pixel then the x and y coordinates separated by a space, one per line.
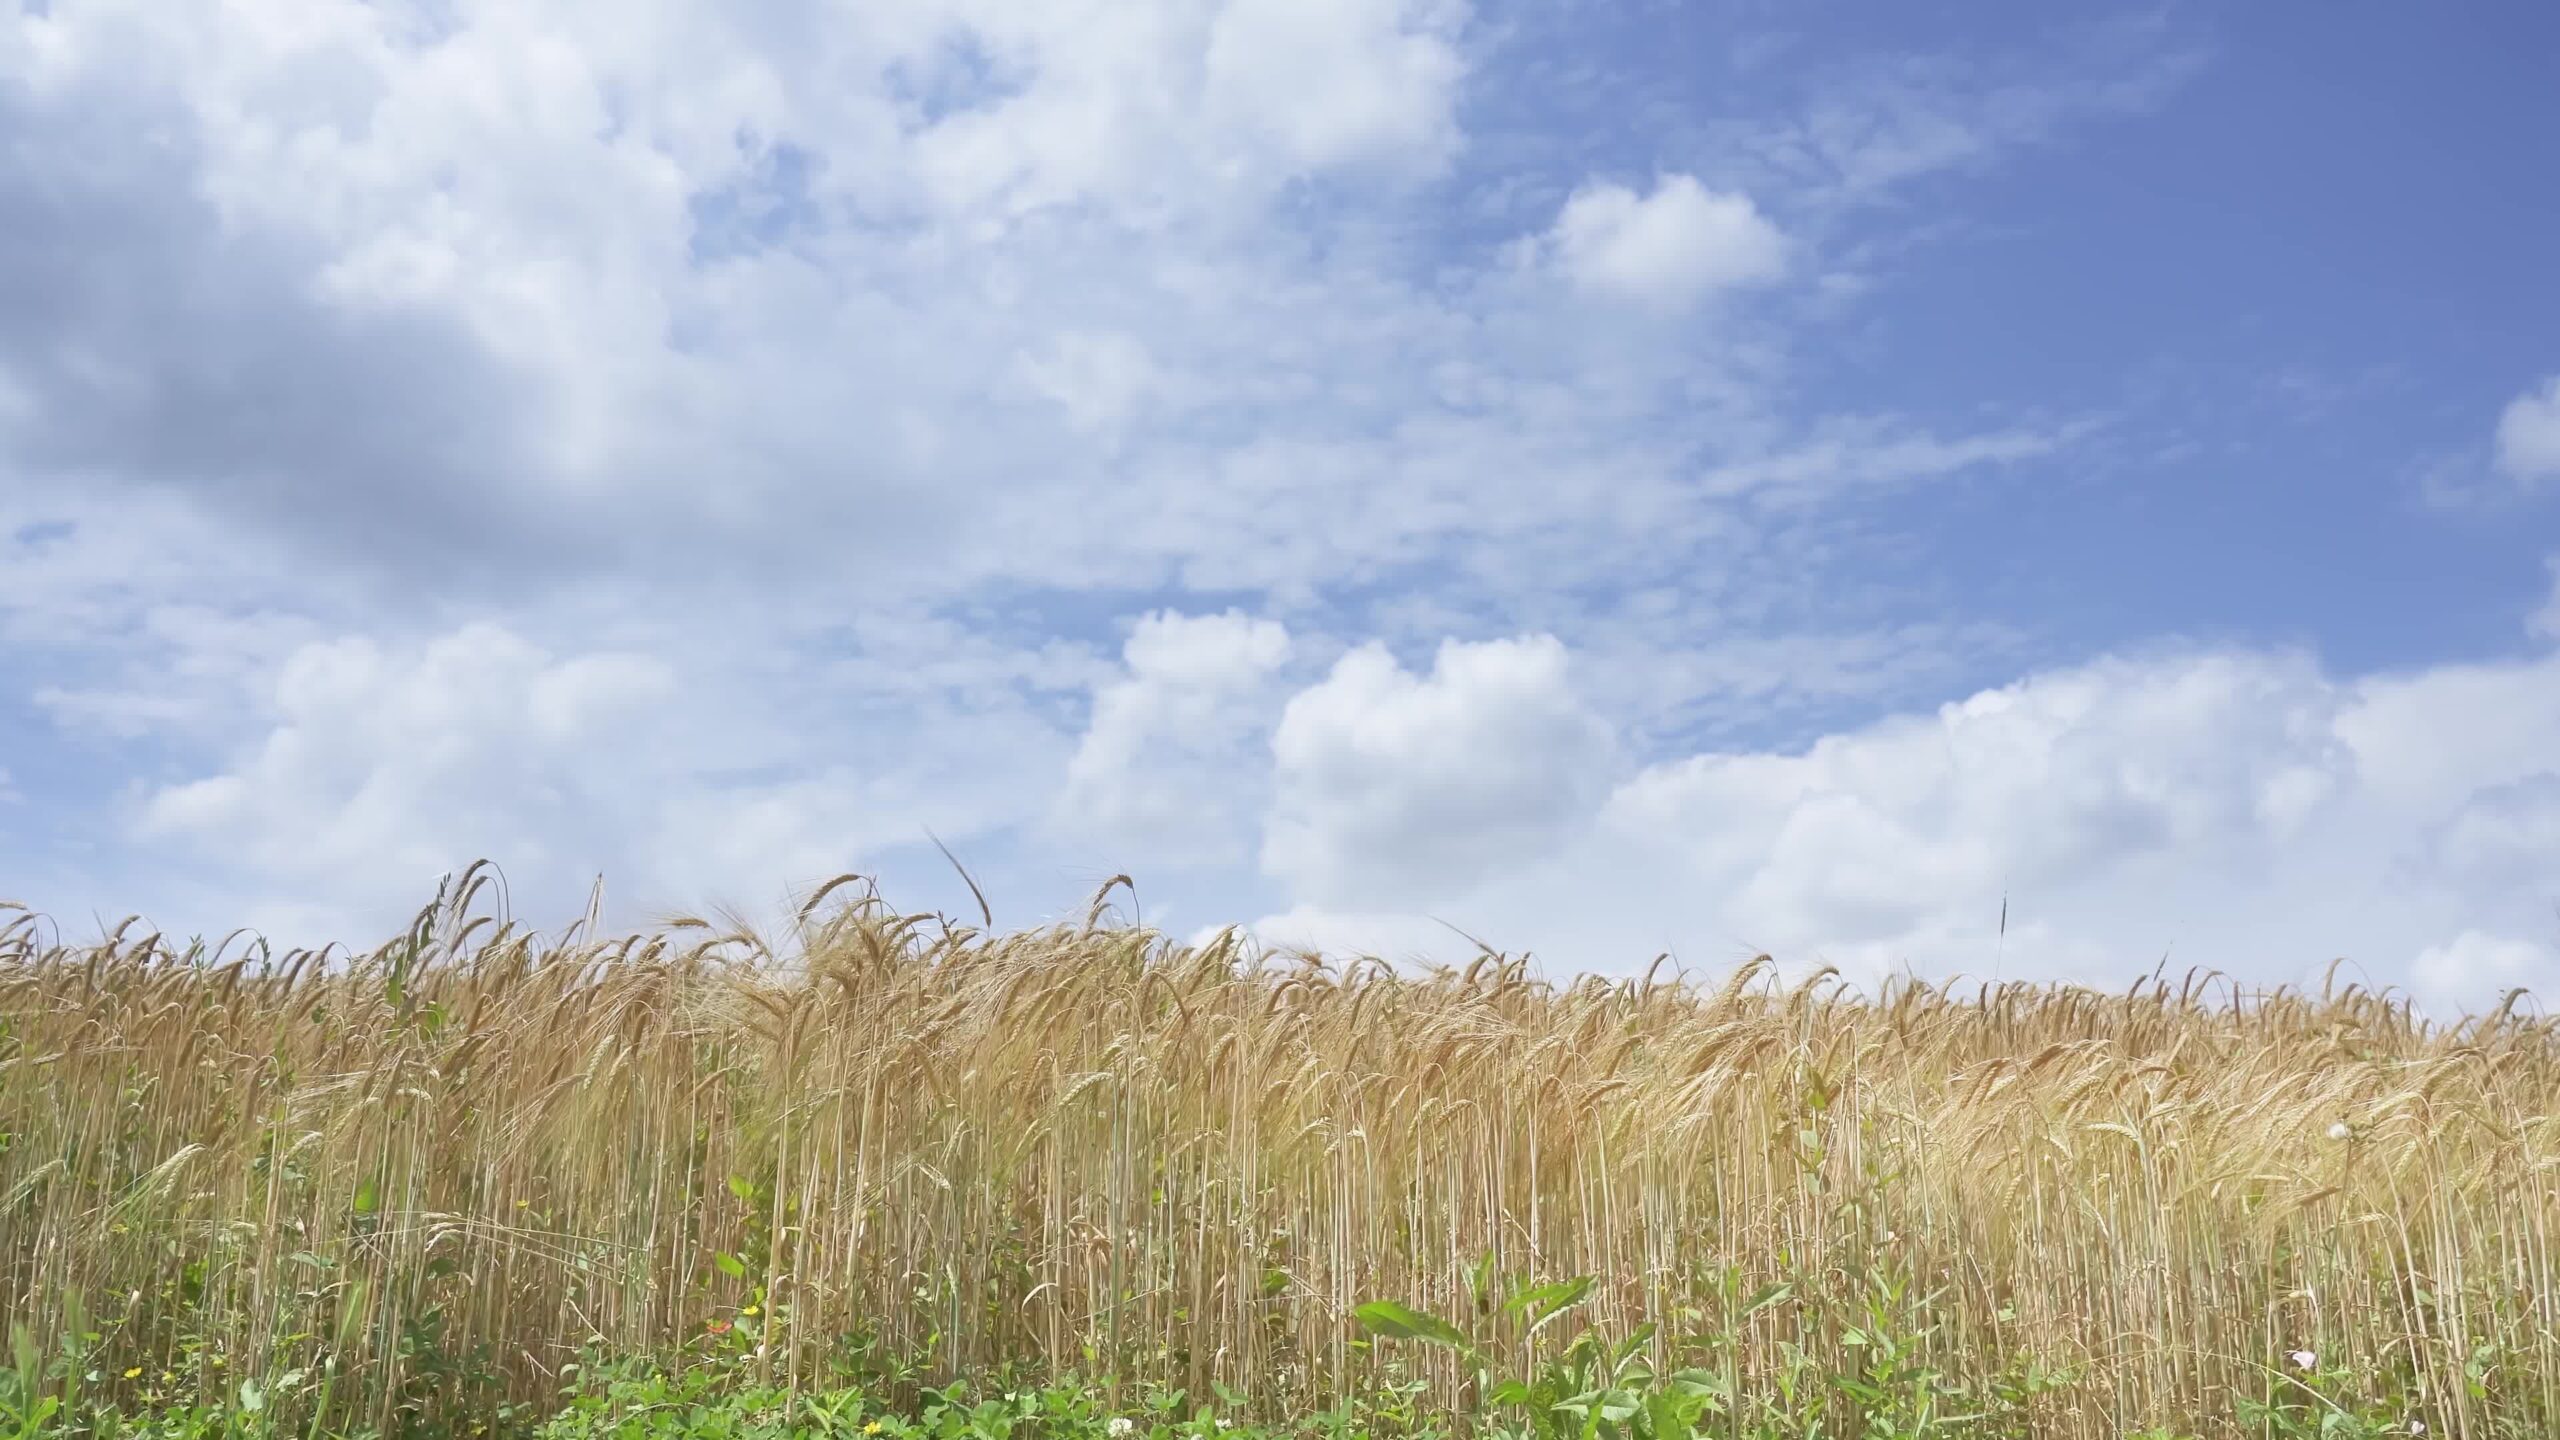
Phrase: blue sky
pixel 1708 478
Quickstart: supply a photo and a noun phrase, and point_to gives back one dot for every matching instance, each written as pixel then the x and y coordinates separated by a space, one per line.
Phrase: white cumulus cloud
pixel 2238 811
pixel 1395 785
pixel 2529 434
pixel 2474 971
pixel 1669 247
pixel 1332 82
pixel 370 767
pixel 1165 771
pixel 399 766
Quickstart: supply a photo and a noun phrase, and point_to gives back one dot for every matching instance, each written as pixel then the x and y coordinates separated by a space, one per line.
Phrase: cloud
pixel 2473 972
pixel 1393 785
pixel 1668 248
pixel 1164 772
pixel 1850 453
pixel 395 764
pixel 1876 121
pixel 2544 623
pixel 371 767
pixel 1099 380
pixel 1148 108
pixel 1322 83
pixel 530 274
pixel 1402 939
pixel 2529 435
pixel 2236 810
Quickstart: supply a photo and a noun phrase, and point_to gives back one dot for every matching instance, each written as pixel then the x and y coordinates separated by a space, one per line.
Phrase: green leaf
pixel 252 1399
pixel 1543 1302
pixel 730 1265
pixel 743 1188
pixel 1403 1322
pixel 367 1198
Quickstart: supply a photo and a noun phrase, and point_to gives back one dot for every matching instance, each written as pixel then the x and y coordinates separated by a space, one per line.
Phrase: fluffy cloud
pixel 372 767
pixel 1667 248
pixel 1908 834
pixel 390 765
pixel 531 272
pixel 1164 770
pixel 2239 811
pixel 1150 107
pixel 1321 83
pixel 1392 785
pixel 2474 971
pixel 1099 380
pixel 2529 434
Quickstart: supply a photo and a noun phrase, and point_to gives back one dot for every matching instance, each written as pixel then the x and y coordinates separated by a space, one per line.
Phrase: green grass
pixel 1531 1370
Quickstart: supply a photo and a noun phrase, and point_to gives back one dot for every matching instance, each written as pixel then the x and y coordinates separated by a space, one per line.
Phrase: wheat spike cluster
pixel 1094 1149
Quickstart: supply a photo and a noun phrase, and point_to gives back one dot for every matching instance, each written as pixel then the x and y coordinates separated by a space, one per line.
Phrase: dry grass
pixel 1095 1148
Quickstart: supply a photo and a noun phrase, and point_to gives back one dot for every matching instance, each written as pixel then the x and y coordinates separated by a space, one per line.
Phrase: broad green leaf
pixel 1403 1322
pixel 1642 1337
pixel 1698 1376
pixel 1769 1295
pixel 1541 1301
pixel 367 1198
pixel 730 1265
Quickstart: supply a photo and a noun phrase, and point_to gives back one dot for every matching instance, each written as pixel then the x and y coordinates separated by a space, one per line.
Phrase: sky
pixel 1992 490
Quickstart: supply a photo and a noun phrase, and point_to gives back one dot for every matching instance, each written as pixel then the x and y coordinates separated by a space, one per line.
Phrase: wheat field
pixel 1090 1148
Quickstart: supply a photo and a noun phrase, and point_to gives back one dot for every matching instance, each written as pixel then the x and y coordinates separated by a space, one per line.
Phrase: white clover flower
pixel 2340 1130
pixel 2303 1359
pixel 1122 1425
